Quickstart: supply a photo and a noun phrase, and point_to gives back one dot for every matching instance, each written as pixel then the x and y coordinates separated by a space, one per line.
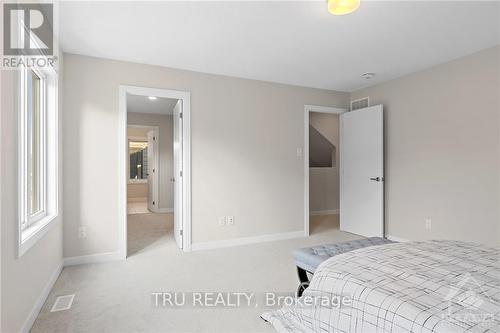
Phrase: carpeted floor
pixel 117 296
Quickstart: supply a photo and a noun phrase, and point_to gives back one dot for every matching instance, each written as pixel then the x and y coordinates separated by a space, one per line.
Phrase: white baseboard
pixel 324 212
pixel 41 299
pixel 93 258
pixel 163 210
pixel 396 239
pixel 246 240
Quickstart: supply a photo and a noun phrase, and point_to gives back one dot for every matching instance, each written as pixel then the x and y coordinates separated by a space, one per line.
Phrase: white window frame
pixel 33 227
pixel 29 220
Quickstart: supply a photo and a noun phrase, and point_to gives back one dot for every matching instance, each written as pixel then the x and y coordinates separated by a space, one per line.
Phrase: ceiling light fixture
pixel 368 75
pixel 152 98
pixel 342 7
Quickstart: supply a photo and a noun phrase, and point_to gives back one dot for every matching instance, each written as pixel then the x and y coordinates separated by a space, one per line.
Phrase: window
pixel 38 145
pixel 35 116
pixel 138 157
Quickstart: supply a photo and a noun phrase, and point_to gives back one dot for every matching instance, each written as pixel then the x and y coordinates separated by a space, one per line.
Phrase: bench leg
pixel 304 281
pixel 302 275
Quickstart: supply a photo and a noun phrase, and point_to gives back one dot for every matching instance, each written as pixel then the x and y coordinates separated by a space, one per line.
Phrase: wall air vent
pixel 360 103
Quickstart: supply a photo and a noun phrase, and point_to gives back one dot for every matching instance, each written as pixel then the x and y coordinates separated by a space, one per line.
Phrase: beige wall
pixel 324 182
pixel 245 135
pixel 22 279
pixel 166 149
pixel 442 149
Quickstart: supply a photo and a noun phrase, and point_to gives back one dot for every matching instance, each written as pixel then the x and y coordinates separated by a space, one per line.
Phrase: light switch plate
pixel 428 224
pixel 222 221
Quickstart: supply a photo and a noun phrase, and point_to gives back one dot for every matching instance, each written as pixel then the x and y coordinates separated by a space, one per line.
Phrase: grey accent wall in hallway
pixel 322 153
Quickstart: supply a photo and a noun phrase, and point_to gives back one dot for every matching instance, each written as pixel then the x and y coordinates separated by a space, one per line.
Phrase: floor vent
pixel 360 103
pixel 63 303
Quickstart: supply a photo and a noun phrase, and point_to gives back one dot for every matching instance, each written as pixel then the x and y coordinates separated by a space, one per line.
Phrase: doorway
pixel 143 167
pixel 149 193
pixel 154 168
pixel 358 155
pixel 322 164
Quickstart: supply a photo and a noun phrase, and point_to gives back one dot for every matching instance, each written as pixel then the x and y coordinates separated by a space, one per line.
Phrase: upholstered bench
pixel 308 259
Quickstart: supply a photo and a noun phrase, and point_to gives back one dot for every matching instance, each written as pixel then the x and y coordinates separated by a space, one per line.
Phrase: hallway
pixel 147 231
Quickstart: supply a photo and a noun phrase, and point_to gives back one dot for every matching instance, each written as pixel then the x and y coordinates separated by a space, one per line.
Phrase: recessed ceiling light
pixel 342 7
pixel 368 75
pixel 152 98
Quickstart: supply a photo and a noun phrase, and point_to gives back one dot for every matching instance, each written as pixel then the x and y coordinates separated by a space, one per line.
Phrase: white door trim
pixel 307 109
pixel 185 96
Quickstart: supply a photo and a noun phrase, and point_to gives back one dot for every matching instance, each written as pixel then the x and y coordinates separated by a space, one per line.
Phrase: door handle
pixel 377 179
pixel 172 180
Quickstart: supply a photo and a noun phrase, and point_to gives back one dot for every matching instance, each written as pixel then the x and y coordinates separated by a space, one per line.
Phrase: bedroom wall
pixel 25 280
pixel 324 182
pixel 442 149
pixel 166 148
pixel 245 136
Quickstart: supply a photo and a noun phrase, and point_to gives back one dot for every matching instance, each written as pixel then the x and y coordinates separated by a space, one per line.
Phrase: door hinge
pixel 153 203
pixel 154 138
pixel 181 173
pixel 181 232
pixel 180 115
pixel 153 170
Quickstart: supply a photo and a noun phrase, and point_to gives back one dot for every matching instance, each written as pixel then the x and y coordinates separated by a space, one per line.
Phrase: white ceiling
pixel 289 42
pixel 141 104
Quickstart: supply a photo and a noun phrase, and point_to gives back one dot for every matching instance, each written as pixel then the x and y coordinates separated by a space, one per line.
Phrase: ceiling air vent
pixel 360 103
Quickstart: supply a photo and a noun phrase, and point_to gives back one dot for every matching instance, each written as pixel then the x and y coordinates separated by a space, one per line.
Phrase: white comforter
pixel 435 286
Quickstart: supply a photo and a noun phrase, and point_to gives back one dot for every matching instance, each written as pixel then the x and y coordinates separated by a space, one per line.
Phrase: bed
pixel 432 286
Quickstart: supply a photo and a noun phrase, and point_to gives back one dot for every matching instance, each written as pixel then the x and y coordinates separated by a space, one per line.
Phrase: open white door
pixel 178 199
pixel 152 200
pixel 362 172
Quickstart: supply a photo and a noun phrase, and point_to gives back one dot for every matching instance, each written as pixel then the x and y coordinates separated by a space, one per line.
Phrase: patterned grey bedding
pixel 434 286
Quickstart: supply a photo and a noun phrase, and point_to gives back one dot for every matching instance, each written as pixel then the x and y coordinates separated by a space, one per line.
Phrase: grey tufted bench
pixel 308 259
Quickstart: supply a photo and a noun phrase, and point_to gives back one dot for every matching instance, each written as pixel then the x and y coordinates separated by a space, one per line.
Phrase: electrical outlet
pixel 82 232
pixel 222 221
pixel 230 220
pixel 428 224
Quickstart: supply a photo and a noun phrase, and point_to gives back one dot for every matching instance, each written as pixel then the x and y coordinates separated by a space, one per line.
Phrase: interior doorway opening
pixel 155 169
pixel 344 169
pixel 150 187
pixel 144 167
pixel 324 158
pixel 322 164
